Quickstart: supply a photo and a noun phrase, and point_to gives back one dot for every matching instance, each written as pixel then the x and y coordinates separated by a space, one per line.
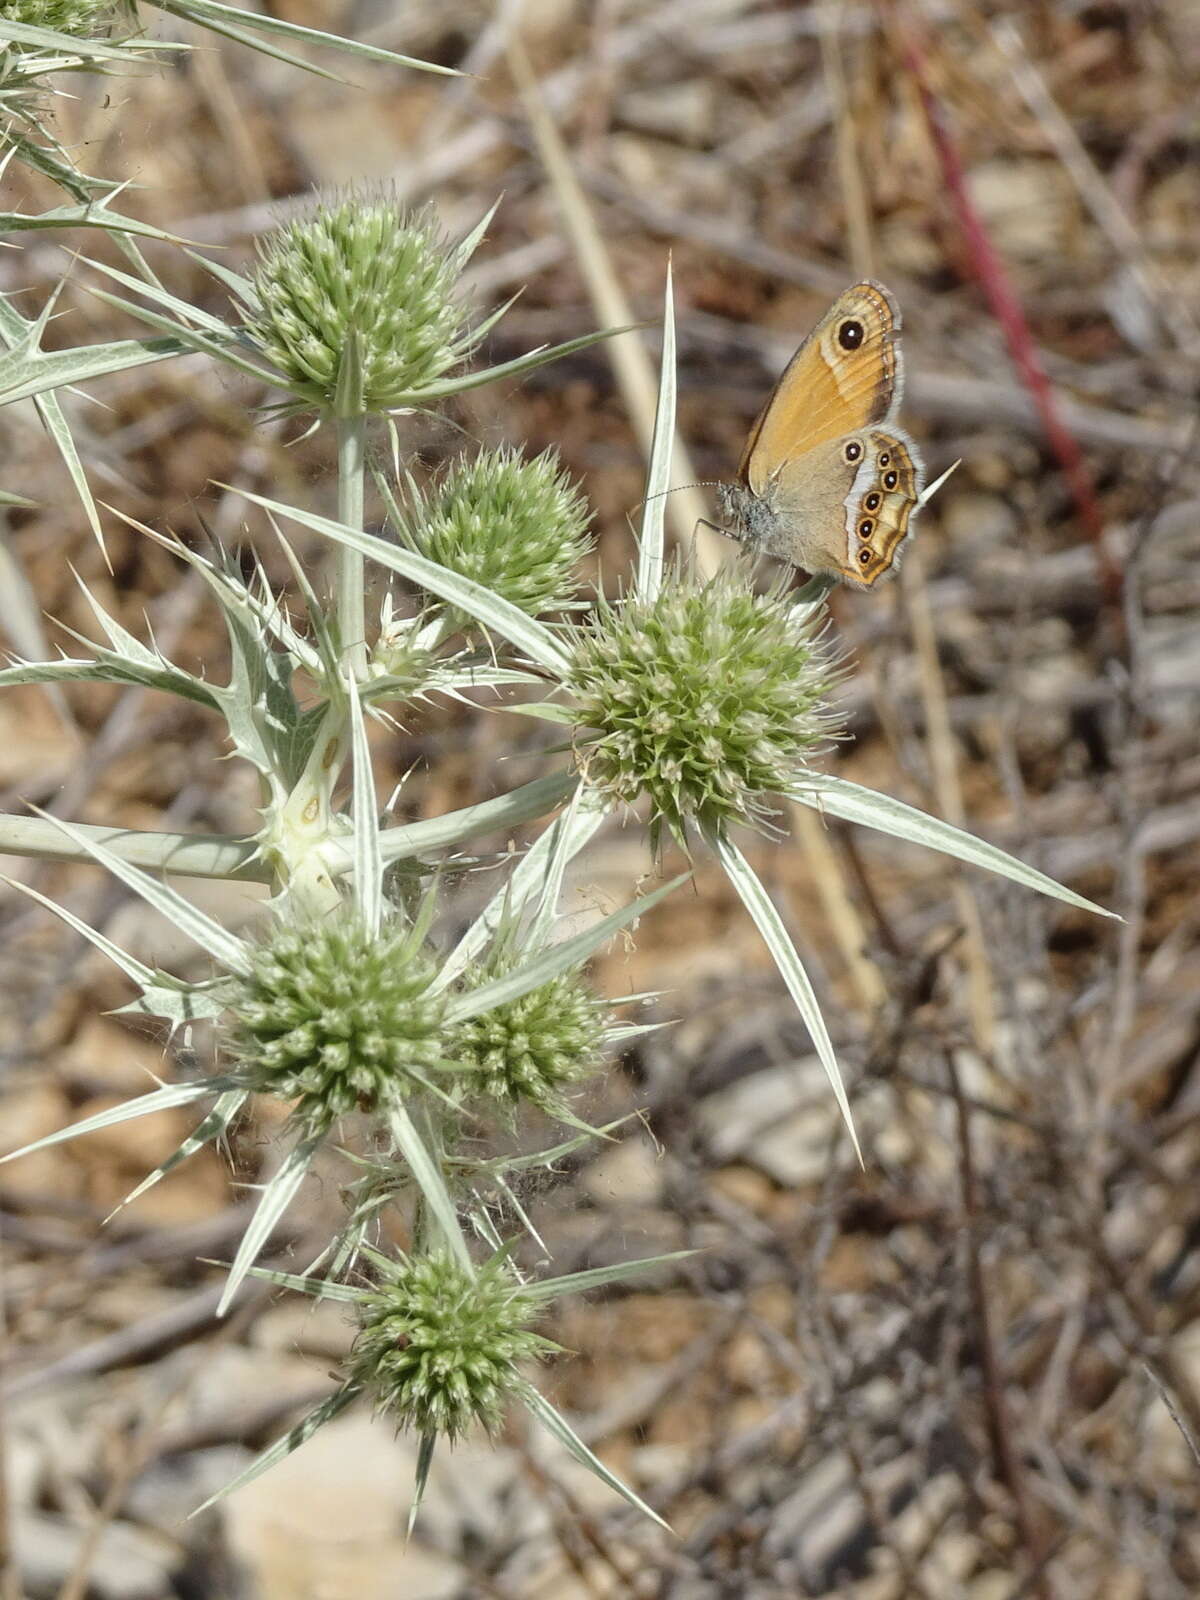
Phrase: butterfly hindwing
pixel 879 506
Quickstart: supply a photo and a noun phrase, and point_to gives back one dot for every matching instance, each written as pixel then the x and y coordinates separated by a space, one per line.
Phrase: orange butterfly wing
pixel 828 390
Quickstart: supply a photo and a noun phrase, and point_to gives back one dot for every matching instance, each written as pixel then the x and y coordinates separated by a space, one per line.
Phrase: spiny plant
pixel 697 707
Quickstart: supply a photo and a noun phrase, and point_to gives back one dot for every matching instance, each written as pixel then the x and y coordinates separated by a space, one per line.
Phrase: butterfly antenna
pixel 704 483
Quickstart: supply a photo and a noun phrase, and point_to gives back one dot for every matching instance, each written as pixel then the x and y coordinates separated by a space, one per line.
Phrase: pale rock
pixel 330 1520
pixel 993 1585
pixel 974 518
pixel 31 1112
pixel 779 1120
pixel 681 111
pixel 127 1564
pixel 168 1492
pixel 626 1174
pixel 322 1328
pixel 1028 205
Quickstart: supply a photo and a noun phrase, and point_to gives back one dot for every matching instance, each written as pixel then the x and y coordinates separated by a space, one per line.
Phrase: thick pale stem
pixel 351 584
pixel 194 855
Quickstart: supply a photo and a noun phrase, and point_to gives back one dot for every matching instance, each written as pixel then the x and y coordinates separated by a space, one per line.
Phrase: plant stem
pixel 193 855
pixel 351 583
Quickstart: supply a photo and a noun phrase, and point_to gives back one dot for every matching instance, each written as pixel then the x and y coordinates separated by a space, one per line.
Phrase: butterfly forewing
pixel 845 376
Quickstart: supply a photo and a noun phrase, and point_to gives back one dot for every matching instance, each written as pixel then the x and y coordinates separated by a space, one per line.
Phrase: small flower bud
pixel 80 19
pixel 534 1047
pixel 335 1019
pixel 673 686
pixel 518 527
pixel 361 280
pixel 439 1346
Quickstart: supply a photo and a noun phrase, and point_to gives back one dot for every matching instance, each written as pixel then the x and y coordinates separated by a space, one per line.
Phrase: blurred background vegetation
pixel 971 1369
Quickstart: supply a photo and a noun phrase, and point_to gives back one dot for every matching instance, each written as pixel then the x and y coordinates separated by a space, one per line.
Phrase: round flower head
pixel 365 275
pixel 439 1346
pixel 336 1019
pixel 81 19
pixel 534 1047
pixel 517 527
pixel 707 699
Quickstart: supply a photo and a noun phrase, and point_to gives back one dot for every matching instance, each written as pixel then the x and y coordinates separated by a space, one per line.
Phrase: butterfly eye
pixel 890 480
pixel 851 334
pixel 864 528
pixel 852 451
pixel 872 501
pixel 884 459
pixel 864 556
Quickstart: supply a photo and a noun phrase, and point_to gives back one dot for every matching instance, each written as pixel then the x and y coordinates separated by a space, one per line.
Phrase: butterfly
pixel 827 480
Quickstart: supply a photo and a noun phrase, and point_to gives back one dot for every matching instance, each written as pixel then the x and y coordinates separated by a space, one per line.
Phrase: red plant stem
pixel 1006 307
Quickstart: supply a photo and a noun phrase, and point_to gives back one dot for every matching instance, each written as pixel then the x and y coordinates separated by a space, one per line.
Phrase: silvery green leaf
pixel 126 53
pixel 29 373
pixel 213 1127
pixel 141 974
pixel 557 1425
pixel 277 1195
pixel 597 1277
pixel 14 331
pixel 509 621
pixel 567 835
pixel 570 832
pixel 558 958
pixel 110 670
pixel 89 214
pixel 436 833
pixel 164 1099
pixel 368 862
pixel 241 287
pixel 55 423
pixel 196 855
pixel 467 247
pixel 658 479
pixel 292 1440
pixel 428 1176
pixel 850 801
pixel 176 1004
pixel 241 24
pixel 222 945
pixel 320 1288
pixel 445 388
pixel 545 711
pixel 421 1477
pixel 770 924
pixel 188 317
pixel 452 676
pixel 227 346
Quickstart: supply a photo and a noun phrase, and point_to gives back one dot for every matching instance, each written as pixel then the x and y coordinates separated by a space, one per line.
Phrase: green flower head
pixel 536 1046
pixel 439 1345
pixel 365 283
pixel 708 699
pixel 80 19
pixel 336 1019
pixel 518 527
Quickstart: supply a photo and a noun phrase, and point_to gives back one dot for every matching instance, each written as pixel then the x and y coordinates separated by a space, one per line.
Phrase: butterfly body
pixel 827 480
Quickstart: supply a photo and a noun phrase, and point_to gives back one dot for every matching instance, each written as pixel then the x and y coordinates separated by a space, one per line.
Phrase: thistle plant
pixel 708 698
pixel 697 707
pixel 518 528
